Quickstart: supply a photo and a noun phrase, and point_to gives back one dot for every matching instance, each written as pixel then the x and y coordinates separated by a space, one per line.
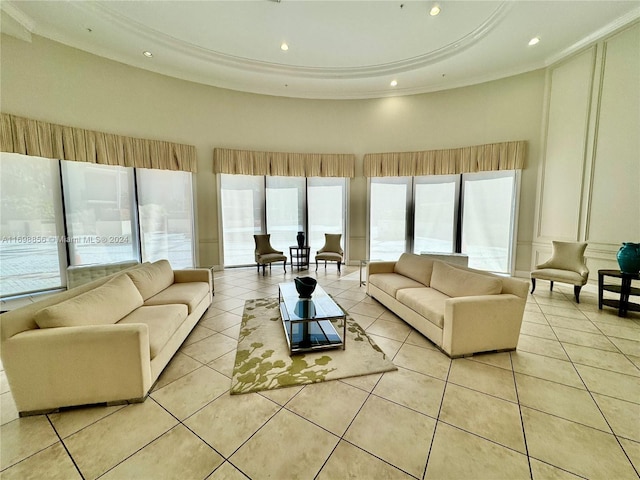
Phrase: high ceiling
pixel 337 49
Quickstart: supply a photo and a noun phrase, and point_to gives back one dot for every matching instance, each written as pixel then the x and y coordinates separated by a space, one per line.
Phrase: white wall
pixel 48 81
pixel 589 178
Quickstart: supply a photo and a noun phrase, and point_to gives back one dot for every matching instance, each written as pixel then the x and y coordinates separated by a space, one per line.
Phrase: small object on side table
pixel 624 289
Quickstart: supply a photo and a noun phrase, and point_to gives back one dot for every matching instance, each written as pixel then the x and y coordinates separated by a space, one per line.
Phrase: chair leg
pixel 576 292
pixel 338 267
pixel 264 269
pixel 533 285
pixel 258 265
pixel 551 286
pixel 285 266
pixel 316 264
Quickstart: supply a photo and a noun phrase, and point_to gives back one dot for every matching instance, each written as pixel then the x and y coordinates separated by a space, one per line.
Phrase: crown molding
pixel 595 36
pixel 18 15
pixel 231 61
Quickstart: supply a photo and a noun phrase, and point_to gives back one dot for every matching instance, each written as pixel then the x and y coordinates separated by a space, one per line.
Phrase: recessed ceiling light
pixel 435 10
pixel 284 47
pixel 394 83
pixel 147 54
pixel 534 41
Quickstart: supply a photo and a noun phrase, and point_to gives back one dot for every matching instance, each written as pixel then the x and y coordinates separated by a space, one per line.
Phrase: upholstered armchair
pixel 266 254
pixel 566 265
pixel 332 251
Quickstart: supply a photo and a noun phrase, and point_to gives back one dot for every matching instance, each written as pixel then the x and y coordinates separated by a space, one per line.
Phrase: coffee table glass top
pixel 307 322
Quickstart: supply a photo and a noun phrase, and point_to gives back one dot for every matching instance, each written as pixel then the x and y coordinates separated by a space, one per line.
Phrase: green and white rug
pixel 263 361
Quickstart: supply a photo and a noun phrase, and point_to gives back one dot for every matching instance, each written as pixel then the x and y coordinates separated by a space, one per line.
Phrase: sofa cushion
pixel 101 305
pixel 152 278
pixel 162 321
pixel 416 267
pixel 391 282
pixel 457 282
pixel 425 301
pixel 189 294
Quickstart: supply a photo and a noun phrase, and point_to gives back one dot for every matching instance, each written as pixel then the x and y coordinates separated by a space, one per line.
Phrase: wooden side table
pixel 625 289
pixel 300 257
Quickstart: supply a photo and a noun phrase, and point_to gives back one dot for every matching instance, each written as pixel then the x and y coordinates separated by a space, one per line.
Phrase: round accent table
pixel 625 289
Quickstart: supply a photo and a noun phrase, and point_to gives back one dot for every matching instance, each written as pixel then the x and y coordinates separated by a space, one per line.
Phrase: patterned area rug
pixel 263 361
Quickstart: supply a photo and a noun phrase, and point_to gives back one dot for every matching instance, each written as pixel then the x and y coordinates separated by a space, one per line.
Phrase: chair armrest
pixel 380 267
pixel 482 323
pixel 57 367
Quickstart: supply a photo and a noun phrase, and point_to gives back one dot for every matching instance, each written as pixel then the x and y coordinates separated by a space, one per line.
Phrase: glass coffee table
pixel 307 321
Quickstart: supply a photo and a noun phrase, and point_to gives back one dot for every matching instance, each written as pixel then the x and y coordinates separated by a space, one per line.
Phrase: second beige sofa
pixel 461 310
pixel 105 341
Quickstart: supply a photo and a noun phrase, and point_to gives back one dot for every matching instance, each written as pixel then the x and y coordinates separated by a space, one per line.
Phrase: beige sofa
pixel 105 341
pixel 462 311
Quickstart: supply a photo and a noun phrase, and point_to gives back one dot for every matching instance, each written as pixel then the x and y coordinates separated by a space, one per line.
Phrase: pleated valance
pixel 42 139
pixel 247 162
pixel 479 158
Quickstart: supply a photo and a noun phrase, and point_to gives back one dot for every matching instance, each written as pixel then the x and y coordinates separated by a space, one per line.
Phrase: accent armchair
pixel 566 265
pixel 266 254
pixel 331 251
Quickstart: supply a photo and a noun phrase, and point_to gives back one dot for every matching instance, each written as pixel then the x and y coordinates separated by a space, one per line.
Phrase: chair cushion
pixel 392 282
pixel 427 302
pixel 102 305
pixel 457 282
pixel 162 321
pixel 334 257
pixel 332 243
pixel 189 294
pixel 415 267
pixel 152 278
pixel 555 275
pixel 566 256
pixel 271 257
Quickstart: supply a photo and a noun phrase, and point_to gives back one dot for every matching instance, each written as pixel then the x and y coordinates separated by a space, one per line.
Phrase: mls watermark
pixel 94 240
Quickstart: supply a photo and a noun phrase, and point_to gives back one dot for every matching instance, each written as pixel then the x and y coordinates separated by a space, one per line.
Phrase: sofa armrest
pixel 380 267
pixel 482 323
pixel 193 275
pixel 57 367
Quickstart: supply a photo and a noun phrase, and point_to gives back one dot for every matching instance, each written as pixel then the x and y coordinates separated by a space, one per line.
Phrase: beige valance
pixel 247 162
pixel 479 158
pixel 42 139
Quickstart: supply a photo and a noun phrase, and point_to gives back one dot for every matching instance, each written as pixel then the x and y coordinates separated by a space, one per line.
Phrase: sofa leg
pixel 576 292
pixel 533 285
pixel 551 285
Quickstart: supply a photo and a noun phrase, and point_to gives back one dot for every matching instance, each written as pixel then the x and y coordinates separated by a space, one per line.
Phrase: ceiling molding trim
pixel 408 64
pixel 595 36
pixel 18 15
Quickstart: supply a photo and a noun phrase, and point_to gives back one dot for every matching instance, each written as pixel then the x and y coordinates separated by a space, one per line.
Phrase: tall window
pixel 326 197
pixel 488 219
pixel 285 199
pixel 31 235
pixel 100 213
pixel 165 209
pixel 436 207
pixel 242 201
pixel 281 207
pixel 388 211
pixel 472 213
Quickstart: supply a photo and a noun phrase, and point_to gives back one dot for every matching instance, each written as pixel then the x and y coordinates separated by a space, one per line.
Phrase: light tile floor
pixel 565 405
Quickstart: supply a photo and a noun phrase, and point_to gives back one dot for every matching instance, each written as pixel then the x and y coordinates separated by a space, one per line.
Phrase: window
pixel 436 209
pixel 100 213
pixel 281 207
pixel 326 198
pixel 165 209
pixel 242 202
pixel 472 213
pixel 285 210
pixel 388 211
pixel 30 230
pixel 488 219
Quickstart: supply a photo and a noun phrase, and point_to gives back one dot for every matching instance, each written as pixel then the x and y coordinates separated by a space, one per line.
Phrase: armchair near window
pixel 566 265
pixel 332 251
pixel 266 254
